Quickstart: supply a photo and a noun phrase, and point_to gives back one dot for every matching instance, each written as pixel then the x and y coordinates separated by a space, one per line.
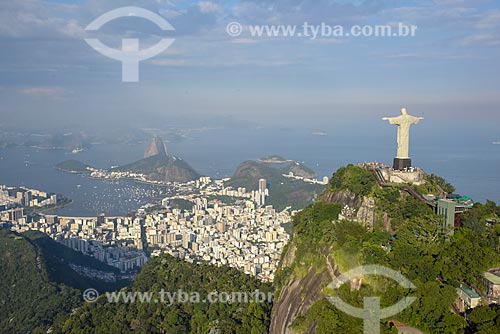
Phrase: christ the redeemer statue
pixel 404 122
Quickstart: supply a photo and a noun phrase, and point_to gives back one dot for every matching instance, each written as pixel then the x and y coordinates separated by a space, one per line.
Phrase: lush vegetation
pixel 435 185
pixel 353 178
pixel 283 191
pixel 274 158
pixel 58 257
pixel 182 204
pixel 441 182
pixel 40 292
pixel 312 230
pixel 227 200
pixel 29 301
pixel 163 168
pixel 485 320
pixel 38 287
pixel 416 246
pixel 398 206
pixel 315 236
pixel 73 166
pixel 171 274
pixel 476 219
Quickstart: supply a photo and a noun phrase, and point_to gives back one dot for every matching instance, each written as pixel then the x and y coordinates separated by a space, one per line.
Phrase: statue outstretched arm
pixel 418 119
pixel 391 120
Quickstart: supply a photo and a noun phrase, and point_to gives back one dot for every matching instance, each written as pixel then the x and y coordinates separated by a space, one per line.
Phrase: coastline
pixel 47 210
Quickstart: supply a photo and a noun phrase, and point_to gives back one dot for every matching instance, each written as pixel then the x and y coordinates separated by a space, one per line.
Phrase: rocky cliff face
pixel 299 294
pixel 342 197
pixel 366 214
pixel 294 300
pixel 363 206
pixel 156 147
pixel 305 280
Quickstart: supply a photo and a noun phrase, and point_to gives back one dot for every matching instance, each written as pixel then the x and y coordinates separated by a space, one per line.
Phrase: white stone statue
pixel 403 122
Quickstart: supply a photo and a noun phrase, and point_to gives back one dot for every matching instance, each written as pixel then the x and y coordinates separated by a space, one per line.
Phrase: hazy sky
pixel 449 71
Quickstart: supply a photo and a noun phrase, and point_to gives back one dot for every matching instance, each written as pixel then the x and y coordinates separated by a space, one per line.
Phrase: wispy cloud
pixel 208 7
pixel 168 62
pixel 34 18
pixel 43 47
pixel 489 20
pixel 482 40
pixel 43 91
pixel 243 40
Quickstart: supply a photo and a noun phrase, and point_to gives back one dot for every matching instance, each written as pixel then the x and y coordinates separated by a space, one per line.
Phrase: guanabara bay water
pixel 472 167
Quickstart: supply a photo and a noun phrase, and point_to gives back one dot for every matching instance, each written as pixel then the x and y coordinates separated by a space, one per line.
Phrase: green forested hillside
pixel 34 300
pixel 416 246
pixel 353 178
pixel 29 301
pixel 162 168
pixel 59 257
pixel 73 166
pixel 283 191
pixel 170 274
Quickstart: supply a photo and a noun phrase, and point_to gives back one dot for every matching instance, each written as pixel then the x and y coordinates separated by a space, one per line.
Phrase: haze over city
pixel 447 71
pixel 249 167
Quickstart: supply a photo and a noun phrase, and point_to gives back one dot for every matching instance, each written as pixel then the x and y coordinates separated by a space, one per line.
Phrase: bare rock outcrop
pixel 156 147
pixel 342 197
pixel 299 295
pixel 366 214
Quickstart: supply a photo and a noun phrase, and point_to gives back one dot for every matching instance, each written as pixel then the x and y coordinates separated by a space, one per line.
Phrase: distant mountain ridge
pixel 162 168
pixel 156 165
pixel 283 191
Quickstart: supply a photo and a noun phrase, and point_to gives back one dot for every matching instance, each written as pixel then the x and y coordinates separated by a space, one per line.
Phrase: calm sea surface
pixel 472 166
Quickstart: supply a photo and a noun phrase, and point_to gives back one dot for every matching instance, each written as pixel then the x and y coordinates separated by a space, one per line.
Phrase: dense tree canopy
pixel 169 274
pixel 353 178
pixel 434 261
pixel 29 301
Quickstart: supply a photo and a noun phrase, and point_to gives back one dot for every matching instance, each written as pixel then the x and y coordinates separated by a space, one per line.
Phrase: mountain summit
pixel 156 147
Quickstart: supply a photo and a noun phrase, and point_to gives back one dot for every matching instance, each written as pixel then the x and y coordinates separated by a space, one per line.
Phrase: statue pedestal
pixel 401 163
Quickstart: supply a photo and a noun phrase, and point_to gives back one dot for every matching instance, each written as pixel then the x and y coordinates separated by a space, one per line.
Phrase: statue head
pixel 403 111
